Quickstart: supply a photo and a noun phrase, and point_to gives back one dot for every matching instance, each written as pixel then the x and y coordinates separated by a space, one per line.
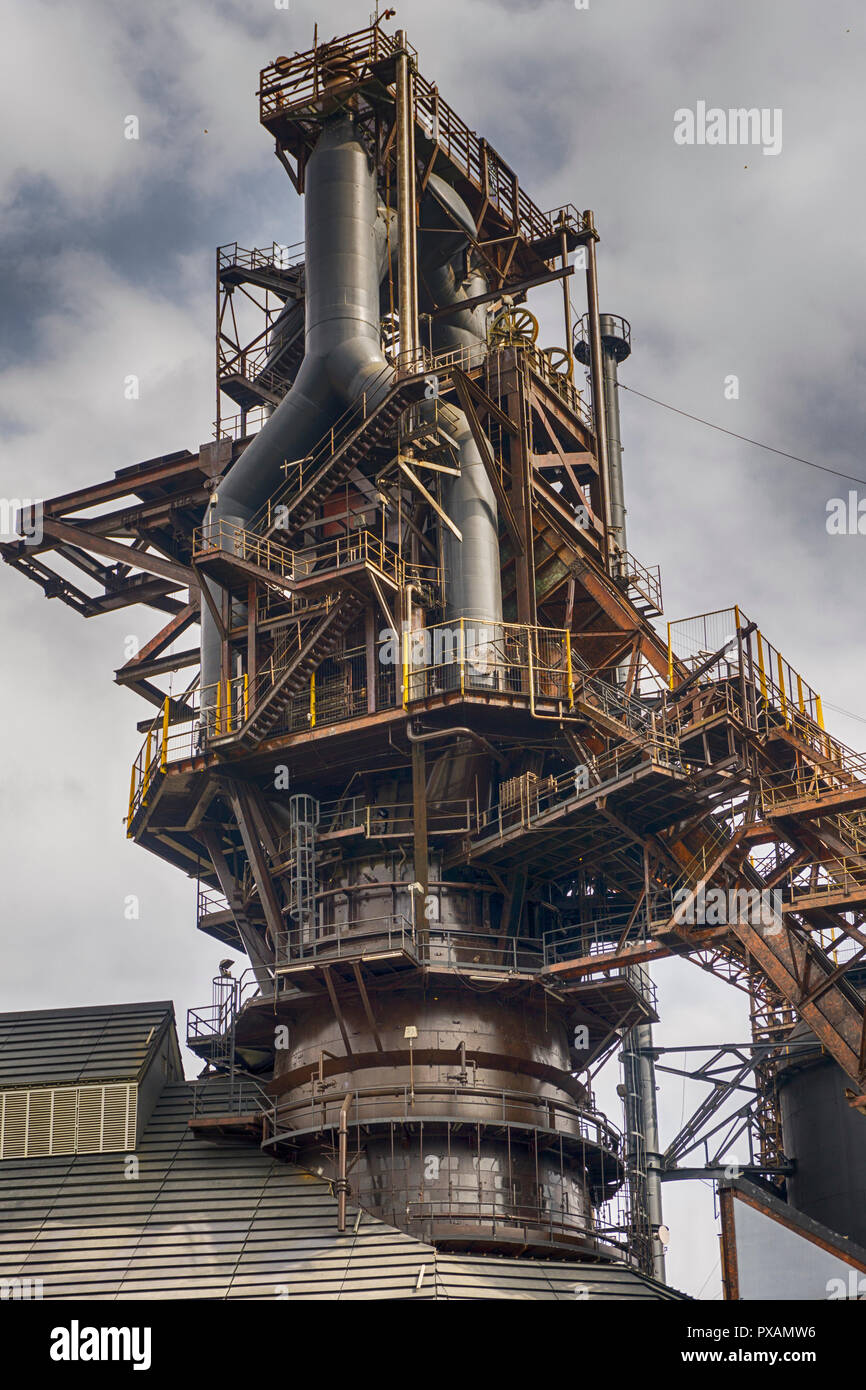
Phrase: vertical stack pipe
pixel 616 347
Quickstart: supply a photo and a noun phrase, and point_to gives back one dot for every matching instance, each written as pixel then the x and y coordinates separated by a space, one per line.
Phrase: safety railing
pixel 336 691
pixel 493 1105
pixel 209 1022
pixel 429 943
pixel 255 366
pixel 461 358
pixel 275 257
pixel 838 878
pixel 851 828
pixel 475 952
pixel 210 902
pixel 835 759
pixel 173 738
pixel 222 708
pixel 506 658
pixel 242 424
pixel 779 690
pixel 146 768
pixel 360 547
pixel 239 1095
pixel 432 945
pixel 387 820
pixel 528 799
pixel 335 941
pixel 659 748
pixel 715 839
pixel 812 782
pixel 298 80
pixel 494 1213
pixel 292 84
pixel 274 605
pixel 503 660
pixel 166 735
pixel 613 701
pixel 601 939
pixel 540 363
pixel 643 582
pixel 708 702
pixel 301 472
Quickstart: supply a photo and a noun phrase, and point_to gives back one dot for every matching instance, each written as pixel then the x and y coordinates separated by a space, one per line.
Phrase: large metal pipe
pixel 603 341
pixel 597 375
pixel 456 731
pixel 616 347
pixel 343 352
pixel 343 1163
pixel 472 565
pixel 642 1135
pixel 406 210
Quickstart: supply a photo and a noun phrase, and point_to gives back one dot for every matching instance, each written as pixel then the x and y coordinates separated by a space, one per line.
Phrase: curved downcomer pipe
pixel 343 352
pixel 472 566
pixel 345 247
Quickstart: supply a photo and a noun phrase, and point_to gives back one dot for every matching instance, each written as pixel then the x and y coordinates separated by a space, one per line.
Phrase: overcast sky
pixel 726 261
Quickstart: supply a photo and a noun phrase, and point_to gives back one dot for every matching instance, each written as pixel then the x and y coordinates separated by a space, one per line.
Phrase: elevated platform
pixel 358 71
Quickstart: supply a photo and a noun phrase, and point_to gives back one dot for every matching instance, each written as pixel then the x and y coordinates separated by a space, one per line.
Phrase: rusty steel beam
pixel 244 815
pixel 490 468
pixel 78 535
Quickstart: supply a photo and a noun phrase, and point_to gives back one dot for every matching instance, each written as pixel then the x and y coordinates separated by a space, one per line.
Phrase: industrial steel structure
pixel 437 771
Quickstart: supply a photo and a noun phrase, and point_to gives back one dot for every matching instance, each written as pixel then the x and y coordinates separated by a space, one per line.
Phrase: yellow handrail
pixel 165 719
pixel 145 783
pixel 131 803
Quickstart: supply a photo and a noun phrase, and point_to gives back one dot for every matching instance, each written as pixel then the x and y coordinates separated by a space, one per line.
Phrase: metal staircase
pixel 321 642
pixel 364 438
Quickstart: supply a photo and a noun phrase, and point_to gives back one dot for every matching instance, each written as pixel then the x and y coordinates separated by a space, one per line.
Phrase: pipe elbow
pixel 357 366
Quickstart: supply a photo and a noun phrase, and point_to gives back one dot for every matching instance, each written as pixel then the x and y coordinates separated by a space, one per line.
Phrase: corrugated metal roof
pixel 224 1220
pixel 65 1046
pixel 200 1221
pixel 472 1276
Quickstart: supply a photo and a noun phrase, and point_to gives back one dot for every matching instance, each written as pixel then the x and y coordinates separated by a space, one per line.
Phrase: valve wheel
pixel 514 327
pixel 560 362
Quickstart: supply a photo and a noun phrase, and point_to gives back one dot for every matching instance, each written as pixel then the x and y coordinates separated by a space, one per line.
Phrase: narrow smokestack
pixel 615 347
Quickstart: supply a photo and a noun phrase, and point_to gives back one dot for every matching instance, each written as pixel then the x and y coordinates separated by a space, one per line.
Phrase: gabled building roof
pixel 68 1047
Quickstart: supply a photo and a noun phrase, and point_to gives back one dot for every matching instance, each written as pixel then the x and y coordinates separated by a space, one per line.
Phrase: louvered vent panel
pixel 90 1120
pixel 115 1103
pixel 39 1123
pixel 63 1124
pixel 131 1116
pixel 68 1120
pixel 14 1134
